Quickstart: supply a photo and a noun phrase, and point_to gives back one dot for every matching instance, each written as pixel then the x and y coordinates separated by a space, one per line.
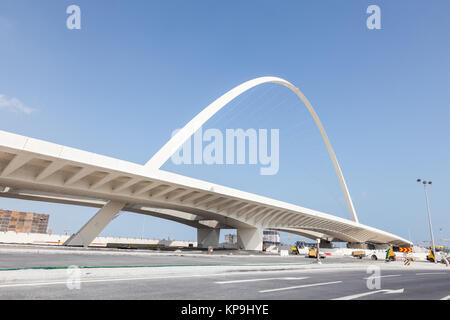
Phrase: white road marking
pixel 386 276
pixel 81 280
pixel 261 279
pixel 359 295
pixel 425 273
pixel 446 298
pixel 31 284
pixel 302 286
pixel 56 282
pixel 64 282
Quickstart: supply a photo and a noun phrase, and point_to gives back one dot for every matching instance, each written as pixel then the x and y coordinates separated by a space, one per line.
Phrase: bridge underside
pixel 208 230
pixel 37 170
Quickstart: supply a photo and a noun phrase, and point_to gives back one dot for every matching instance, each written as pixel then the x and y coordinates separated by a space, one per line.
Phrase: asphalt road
pixel 339 281
pixel 286 285
pixel 96 258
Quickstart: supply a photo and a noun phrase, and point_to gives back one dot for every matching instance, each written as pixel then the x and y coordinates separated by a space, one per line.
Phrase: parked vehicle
pixel 441 256
pixel 359 254
pixel 312 253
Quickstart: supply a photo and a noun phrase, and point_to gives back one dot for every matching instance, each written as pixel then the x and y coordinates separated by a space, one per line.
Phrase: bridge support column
pixel 208 237
pixel 250 239
pixel 95 225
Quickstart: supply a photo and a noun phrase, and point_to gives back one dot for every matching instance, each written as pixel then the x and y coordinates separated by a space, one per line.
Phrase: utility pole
pixel 409 233
pixel 317 251
pixel 429 216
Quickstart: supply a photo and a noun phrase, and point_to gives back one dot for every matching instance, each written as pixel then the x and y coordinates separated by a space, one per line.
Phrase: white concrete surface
pixel 208 237
pixel 57 239
pixel 95 225
pixel 37 170
pixel 250 238
pixel 190 128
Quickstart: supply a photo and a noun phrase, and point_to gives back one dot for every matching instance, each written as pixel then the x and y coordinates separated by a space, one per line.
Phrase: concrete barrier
pixel 12 237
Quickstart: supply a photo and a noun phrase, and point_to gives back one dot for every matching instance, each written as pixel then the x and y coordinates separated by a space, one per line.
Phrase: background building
pixel 271 238
pixel 27 222
pixel 230 238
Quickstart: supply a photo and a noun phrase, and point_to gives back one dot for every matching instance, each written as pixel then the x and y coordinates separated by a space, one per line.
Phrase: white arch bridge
pixel 42 171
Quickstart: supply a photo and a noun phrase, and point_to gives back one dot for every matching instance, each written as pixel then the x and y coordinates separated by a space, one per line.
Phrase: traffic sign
pixel 405 249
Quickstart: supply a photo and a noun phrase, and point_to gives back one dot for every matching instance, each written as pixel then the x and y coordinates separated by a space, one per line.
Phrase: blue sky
pixel 138 70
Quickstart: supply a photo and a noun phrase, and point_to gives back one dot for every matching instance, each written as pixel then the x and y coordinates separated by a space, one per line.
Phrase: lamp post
pixel 317 251
pixel 429 215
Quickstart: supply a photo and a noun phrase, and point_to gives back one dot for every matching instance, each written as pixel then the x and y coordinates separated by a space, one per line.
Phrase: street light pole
pixel 429 216
pixel 317 251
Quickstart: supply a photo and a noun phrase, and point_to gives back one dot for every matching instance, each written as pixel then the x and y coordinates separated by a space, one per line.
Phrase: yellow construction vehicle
pixel 358 254
pixel 312 253
pixel 431 257
pixel 440 254
pixel 297 247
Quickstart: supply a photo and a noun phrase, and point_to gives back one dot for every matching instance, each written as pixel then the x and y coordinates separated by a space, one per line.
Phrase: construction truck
pixel 430 256
pixel 358 254
pixel 312 253
pixel 299 248
pixel 440 255
pixel 295 249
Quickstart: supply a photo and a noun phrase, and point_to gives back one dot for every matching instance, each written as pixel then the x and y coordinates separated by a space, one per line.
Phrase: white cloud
pixel 14 104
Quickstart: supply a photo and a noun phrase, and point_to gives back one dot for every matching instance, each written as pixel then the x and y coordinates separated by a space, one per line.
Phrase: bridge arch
pixel 192 126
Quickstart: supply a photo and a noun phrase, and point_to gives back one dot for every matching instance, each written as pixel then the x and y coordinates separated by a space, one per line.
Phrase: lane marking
pixel 386 276
pixel 64 282
pixel 163 266
pixel 81 281
pixel 260 279
pixel 56 282
pixel 446 298
pixel 359 295
pixel 302 286
pixel 232 273
pixel 425 273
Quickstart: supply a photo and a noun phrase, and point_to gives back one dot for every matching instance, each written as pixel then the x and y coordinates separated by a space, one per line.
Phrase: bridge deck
pixel 39 170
